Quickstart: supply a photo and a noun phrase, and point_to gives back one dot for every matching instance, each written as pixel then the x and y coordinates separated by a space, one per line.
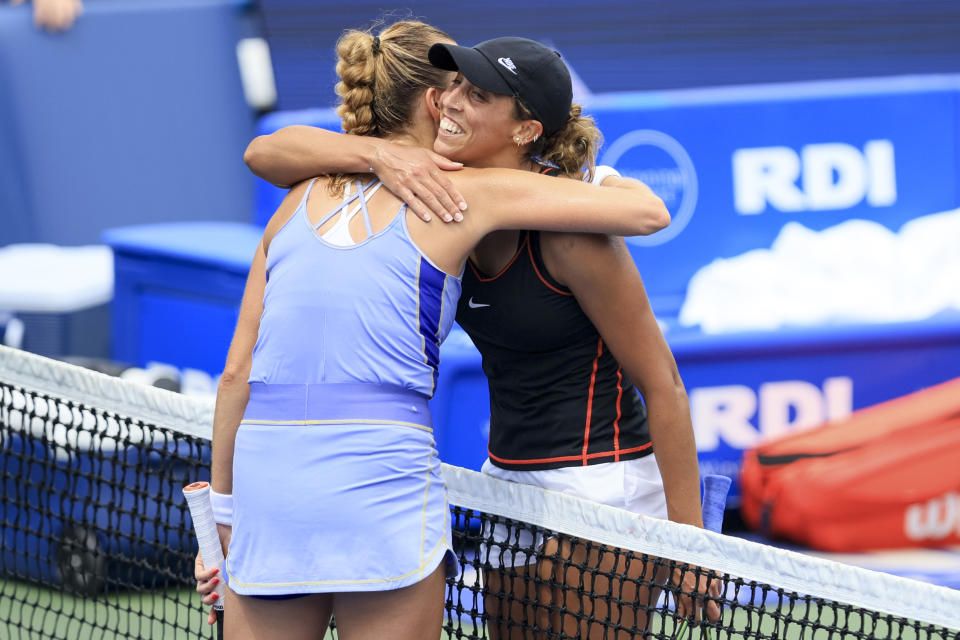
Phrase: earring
pixel 536 136
pixel 517 140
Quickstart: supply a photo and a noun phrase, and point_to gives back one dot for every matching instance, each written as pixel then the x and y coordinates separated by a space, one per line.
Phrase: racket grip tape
pixel 197 495
pixel 715 489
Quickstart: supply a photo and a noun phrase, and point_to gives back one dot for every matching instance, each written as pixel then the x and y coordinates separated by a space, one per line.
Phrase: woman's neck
pixel 410 137
pixel 507 159
pixel 421 131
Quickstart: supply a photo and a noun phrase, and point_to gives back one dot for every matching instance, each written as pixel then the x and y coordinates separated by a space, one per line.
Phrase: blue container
pixel 177 291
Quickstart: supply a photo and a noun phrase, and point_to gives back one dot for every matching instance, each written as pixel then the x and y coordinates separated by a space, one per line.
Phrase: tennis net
pixel 96 541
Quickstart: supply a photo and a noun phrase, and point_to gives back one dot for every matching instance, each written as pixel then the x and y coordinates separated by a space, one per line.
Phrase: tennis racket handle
pixel 715 490
pixel 198 499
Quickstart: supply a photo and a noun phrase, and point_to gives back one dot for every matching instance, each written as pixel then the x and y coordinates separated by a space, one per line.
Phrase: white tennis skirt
pixel 634 485
pixel 336 488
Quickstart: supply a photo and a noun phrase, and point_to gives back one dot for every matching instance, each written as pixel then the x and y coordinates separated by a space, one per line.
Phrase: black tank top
pixel 558 398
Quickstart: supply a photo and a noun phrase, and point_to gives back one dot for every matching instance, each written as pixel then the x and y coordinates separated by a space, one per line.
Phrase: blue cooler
pixel 178 291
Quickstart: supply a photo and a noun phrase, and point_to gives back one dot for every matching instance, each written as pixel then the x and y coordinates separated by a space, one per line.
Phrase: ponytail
pixel 357 70
pixel 572 149
pixel 381 76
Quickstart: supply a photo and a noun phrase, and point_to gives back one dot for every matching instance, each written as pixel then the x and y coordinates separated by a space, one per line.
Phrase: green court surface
pixel 800 622
pixel 29 612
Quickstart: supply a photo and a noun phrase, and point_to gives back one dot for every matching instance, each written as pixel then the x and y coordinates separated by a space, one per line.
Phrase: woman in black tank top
pixel 576 329
pixel 575 302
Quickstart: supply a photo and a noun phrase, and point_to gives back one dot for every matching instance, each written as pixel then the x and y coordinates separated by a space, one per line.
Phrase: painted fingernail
pixel 458 217
pixel 215 596
pixel 216 571
pixel 216 581
pixel 447 218
pixel 426 218
pixel 462 205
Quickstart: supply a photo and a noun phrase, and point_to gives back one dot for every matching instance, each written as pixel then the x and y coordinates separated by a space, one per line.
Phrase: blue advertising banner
pixel 735 165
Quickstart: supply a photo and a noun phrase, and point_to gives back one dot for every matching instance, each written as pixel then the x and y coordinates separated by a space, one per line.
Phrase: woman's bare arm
pixel 511 199
pixel 414 175
pixel 293 154
pixel 233 390
pixel 602 275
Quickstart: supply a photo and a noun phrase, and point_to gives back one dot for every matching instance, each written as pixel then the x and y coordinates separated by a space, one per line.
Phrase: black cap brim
pixel 472 64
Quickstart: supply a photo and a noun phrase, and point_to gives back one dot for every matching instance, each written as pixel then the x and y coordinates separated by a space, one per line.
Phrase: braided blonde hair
pixel 381 77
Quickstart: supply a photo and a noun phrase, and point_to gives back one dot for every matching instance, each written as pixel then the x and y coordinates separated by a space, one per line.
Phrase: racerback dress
pixel 336 479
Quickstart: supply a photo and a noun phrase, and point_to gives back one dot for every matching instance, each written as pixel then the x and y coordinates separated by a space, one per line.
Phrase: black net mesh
pixel 96 542
pixel 95 536
pixel 566 587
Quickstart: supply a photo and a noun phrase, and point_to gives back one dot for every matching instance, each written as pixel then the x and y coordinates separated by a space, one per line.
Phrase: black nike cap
pixel 519 67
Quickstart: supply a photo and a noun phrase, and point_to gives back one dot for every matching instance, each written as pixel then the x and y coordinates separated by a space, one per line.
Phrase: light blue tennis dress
pixel 336 480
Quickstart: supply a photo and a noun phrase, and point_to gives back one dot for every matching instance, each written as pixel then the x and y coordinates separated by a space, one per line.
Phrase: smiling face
pixel 479 128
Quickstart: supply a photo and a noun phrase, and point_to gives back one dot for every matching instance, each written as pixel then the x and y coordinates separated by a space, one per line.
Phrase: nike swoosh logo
pixel 475 305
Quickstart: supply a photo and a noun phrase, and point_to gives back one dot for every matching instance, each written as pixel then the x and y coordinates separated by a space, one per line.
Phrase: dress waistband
pixel 319 403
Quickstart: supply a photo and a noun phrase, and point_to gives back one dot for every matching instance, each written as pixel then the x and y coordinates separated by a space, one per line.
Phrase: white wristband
pixel 602 172
pixel 222 505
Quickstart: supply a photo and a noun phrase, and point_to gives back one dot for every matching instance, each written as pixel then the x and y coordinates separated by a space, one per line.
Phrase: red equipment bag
pixel 885 477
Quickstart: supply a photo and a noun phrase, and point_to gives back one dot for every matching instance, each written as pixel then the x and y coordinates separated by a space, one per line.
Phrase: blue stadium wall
pixel 626 45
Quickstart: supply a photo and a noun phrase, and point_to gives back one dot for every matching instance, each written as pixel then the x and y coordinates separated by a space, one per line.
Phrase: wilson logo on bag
pixel 934 519
pixel 886 477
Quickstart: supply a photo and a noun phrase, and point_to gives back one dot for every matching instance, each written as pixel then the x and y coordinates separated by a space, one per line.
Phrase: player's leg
pixel 250 618
pixel 612 587
pixel 511 590
pixel 516 604
pixel 409 613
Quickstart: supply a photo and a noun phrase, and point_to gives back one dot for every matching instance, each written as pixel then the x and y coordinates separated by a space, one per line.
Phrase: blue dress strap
pixel 346 202
pixel 362 193
pixel 363 201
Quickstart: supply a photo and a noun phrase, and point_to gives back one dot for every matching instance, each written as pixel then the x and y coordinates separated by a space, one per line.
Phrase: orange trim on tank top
pixel 593 384
pixel 589 456
pixel 540 275
pixel 473 267
pixel 616 422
